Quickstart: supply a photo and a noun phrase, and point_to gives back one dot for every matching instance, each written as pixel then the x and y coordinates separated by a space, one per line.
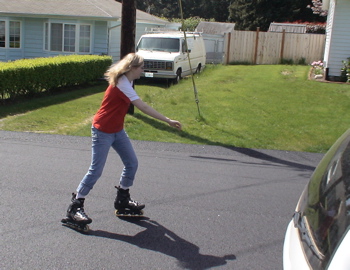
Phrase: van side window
pixel 184 47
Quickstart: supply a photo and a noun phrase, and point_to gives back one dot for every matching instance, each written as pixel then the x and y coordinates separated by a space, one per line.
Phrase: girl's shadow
pixel 158 238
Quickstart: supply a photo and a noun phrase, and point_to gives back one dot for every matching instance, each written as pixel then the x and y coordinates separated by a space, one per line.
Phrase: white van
pixel 165 54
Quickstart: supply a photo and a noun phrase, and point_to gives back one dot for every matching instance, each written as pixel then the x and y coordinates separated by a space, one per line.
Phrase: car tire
pixel 178 76
pixel 199 68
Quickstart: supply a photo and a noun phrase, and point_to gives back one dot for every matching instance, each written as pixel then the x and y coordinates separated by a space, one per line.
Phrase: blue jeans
pixel 101 143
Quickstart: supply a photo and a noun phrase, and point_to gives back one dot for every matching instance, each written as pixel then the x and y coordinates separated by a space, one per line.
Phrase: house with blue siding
pixel 337 48
pixel 45 28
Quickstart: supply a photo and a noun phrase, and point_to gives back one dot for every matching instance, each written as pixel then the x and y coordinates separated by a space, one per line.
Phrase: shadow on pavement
pixel 246 151
pixel 158 238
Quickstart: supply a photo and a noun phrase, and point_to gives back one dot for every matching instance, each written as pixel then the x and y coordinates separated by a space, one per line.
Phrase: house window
pixel 2 34
pixel 61 37
pixel 84 38
pixel 56 37
pixel 10 34
pixel 15 34
pixel 69 38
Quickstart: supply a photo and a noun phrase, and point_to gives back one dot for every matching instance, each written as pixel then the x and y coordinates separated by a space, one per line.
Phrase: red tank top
pixel 110 117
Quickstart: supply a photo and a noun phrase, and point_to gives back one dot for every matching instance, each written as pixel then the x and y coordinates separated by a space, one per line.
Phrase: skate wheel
pixel 128 214
pixel 86 229
pixel 117 213
pixel 78 227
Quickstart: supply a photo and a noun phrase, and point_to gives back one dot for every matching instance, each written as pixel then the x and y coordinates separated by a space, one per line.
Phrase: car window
pixel 324 207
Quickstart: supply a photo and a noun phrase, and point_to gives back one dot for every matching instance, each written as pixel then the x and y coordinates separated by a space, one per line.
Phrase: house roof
pixel 96 9
pixel 287 27
pixel 215 28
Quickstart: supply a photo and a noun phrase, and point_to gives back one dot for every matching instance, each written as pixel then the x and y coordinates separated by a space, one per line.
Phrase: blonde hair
pixel 118 69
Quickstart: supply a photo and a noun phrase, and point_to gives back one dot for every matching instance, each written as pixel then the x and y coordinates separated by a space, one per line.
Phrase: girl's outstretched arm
pixel 145 108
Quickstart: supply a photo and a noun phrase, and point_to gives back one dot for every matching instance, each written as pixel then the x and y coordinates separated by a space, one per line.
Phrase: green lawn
pixel 266 107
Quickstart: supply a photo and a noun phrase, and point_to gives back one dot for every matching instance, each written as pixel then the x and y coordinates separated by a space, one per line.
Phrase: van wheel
pixel 199 68
pixel 178 76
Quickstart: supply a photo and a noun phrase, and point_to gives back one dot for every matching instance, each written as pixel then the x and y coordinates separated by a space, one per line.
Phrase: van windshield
pixel 159 44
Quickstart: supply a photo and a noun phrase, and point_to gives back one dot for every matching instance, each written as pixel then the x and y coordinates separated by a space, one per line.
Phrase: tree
pixel 316 7
pixel 207 9
pixel 248 15
pixel 160 8
pixel 302 12
pixel 215 9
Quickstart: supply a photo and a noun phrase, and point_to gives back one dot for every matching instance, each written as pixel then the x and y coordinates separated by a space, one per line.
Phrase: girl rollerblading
pixel 108 131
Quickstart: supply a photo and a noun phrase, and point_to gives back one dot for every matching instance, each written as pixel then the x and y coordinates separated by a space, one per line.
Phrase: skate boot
pixel 76 218
pixel 125 206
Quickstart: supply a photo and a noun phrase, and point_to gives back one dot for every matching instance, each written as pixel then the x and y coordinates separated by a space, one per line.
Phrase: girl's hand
pixel 175 124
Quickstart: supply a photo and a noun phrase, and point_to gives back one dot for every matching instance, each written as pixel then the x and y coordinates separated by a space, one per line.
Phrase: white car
pixel 167 54
pixel 318 235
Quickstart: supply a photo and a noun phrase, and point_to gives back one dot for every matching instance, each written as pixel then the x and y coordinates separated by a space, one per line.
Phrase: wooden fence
pixel 255 47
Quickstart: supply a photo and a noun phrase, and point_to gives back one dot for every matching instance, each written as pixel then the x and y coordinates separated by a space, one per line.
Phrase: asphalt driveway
pixel 206 206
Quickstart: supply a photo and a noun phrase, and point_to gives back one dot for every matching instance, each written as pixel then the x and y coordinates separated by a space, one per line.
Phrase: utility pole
pixel 127 33
pixel 128 28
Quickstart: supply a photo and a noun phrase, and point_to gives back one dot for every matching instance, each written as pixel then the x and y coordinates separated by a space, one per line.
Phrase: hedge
pixel 32 76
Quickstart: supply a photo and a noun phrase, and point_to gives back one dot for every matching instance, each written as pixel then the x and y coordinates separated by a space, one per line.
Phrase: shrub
pixel 316 28
pixel 32 76
pixel 318 67
pixel 345 71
